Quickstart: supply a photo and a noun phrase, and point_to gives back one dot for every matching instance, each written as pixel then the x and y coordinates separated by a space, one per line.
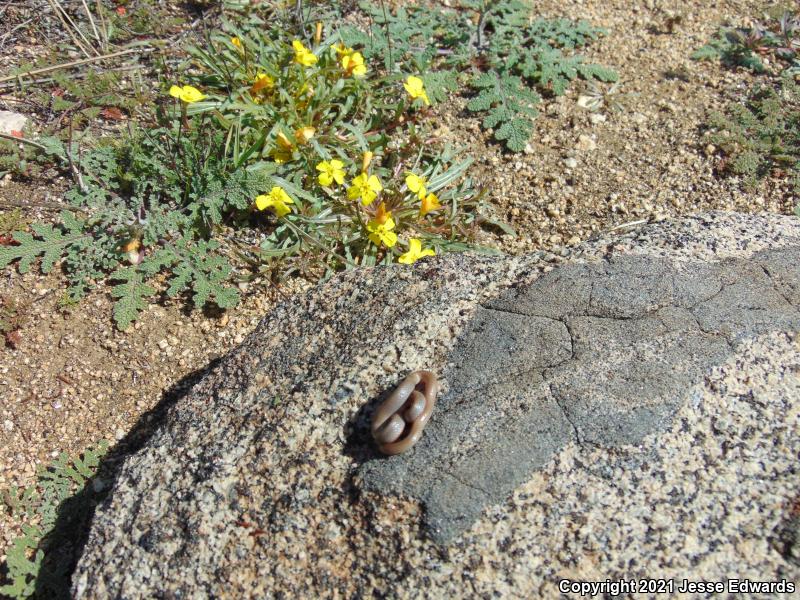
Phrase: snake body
pixel 398 423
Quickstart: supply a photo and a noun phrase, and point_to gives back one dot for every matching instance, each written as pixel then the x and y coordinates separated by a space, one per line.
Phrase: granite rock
pixel 530 373
pixel 629 410
pixel 11 121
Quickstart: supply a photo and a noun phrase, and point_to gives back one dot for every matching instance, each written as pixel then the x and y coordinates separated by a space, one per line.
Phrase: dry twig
pixel 75 63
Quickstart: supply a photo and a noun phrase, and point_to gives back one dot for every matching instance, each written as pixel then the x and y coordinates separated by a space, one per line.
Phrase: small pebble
pixel 585 143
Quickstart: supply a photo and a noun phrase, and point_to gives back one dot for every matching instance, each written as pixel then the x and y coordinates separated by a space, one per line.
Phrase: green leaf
pixel 50 243
pixel 439 85
pixel 204 273
pixel 130 295
pixel 707 52
pixel 515 133
pixel 449 176
pixel 509 105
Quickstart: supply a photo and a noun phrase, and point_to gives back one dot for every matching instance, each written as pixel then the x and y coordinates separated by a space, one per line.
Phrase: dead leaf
pixel 13 339
pixel 113 113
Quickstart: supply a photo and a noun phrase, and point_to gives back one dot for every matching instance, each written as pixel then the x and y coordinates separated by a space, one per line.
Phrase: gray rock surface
pixel 594 353
pixel 11 121
pixel 631 410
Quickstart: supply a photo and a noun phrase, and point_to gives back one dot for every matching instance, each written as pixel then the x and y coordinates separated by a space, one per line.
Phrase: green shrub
pixel 778 35
pixel 315 157
pixel 299 146
pixel 762 136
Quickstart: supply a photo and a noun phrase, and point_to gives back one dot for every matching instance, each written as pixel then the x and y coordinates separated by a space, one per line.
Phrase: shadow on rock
pixel 359 445
pixel 64 544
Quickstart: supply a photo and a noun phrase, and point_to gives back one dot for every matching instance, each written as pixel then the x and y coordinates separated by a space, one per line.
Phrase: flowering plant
pixel 355 176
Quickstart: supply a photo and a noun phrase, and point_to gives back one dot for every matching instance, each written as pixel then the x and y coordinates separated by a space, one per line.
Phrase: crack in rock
pixel 598 353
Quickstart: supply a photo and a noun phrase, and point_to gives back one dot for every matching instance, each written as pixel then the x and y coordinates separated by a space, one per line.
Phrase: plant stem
pixel 6 136
pixel 481 26
pixel 298 12
pixel 390 58
pixel 316 242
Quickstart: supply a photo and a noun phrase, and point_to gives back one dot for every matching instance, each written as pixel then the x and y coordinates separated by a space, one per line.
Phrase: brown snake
pixel 398 423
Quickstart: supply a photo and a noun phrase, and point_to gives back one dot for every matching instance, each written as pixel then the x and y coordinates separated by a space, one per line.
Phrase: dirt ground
pixel 73 379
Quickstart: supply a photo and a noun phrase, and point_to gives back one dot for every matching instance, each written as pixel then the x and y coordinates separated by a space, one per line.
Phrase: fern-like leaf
pixel 599 72
pixel 564 33
pixel 196 268
pixel 237 192
pixel 36 562
pixel 509 104
pixel 130 295
pixel 48 242
pixel 515 133
pixel 707 52
pixel 439 85
pixel 22 570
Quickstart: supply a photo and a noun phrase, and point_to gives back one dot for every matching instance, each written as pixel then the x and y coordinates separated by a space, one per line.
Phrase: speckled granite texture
pixel 571 448
pixel 601 353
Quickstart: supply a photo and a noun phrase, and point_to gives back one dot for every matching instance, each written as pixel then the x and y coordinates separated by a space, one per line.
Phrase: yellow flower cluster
pixel 352 61
pixel 364 187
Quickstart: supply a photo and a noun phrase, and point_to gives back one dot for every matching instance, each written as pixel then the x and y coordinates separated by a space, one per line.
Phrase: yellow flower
pixel 277 200
pixel 429 204
pixel 353 64
pixel 381 233
pixel 237 42
pixel 382 215
pixel 302 55
pixel 365 187
pixel 283 152
pixel 416 88
pixel 330 171
pixel 415 252
pixel 186 93
pixel 262 82
pixel 342 50
pixel 416 184
pixel 303 135
pixel 283 141
pixel 262 85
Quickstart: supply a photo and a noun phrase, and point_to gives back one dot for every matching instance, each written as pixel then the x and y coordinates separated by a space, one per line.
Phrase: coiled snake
pixel 398 423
